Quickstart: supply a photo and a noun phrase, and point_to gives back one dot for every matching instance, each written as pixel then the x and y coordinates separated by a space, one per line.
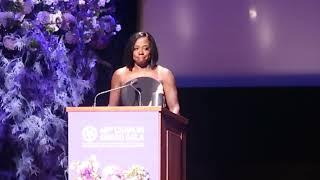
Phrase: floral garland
pixel 89 170
pixel 47 62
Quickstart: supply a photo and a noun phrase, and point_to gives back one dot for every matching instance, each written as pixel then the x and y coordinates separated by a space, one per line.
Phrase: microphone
pixel 131 84
pixel 117 88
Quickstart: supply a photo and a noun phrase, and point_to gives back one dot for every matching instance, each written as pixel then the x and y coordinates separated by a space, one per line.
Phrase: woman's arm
pixel 170 90
pixel 114 98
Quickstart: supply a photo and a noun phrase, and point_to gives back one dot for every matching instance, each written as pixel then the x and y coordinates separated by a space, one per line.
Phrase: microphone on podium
pixel 117 88
pixel 131 84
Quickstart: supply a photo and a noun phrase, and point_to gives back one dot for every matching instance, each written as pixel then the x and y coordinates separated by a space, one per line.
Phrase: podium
pixel 149 136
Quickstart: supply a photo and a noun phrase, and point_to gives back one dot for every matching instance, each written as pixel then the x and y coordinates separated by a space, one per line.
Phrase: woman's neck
pixel 143 67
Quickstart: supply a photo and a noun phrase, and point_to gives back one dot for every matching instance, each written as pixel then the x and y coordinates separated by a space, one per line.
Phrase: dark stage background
pixel 252 133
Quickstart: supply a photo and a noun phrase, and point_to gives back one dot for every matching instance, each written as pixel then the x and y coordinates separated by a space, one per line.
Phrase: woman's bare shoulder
pixel 121 71
pixel 164 71
pixel 120 74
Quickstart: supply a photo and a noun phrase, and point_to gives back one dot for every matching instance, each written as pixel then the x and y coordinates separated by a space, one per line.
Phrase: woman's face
pixel 141 52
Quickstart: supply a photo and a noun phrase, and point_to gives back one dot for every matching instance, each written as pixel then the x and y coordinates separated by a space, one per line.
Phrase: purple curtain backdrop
pixel 235 43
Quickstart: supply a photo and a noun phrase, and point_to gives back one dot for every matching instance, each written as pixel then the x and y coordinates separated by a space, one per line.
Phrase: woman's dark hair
pixel 128 51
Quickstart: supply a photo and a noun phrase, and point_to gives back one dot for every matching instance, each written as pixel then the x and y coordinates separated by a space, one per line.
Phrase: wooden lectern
pixel 150 136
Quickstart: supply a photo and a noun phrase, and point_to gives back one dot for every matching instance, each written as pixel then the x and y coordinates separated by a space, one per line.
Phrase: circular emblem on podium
pixel 89 133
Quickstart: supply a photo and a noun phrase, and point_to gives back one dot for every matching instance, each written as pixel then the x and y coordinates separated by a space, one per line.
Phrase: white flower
pixel 50 2
pixel 52 27
pixel 136 172
pixel 86 169
pixel 18 1
pixel 37 67
pixel 111 173
pixel 118 27
pixel 56 18
pixel 95 24
pixel 93 159
pixel 82 2
pixel 101 3
pixel 74 165
pixel 36 1
pixel 55 21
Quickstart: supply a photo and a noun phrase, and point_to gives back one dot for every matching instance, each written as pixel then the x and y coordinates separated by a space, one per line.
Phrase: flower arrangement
pixel 47 62
pixel 89 170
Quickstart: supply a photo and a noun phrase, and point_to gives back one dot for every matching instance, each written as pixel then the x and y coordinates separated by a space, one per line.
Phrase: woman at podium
pixel 143 79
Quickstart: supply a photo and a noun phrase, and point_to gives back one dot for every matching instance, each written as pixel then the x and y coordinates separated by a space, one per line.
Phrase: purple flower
pixel 48 63
pixel 68 21
pixel 5 17
pixel 100 40
pixel 26 25
pixel 71 38
pixel 19 16
pixel 9 42
pixel 87 173
pixel 27 6
pixel 43 17
pixel 107 23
